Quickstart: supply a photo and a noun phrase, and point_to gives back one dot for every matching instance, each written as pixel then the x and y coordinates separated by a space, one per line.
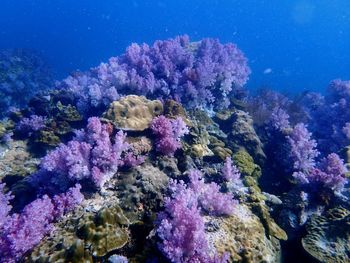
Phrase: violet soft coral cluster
pixel 21 232
pixel 279 119
pixel 32 124
pixel 265 108
pixel 168 133
pixel 91 155
pixel 303 149
pixel 329 116
pixel 5 206
pixel 230 171
pixel 209 196
pixel 201 74
pixel 181 227
pixel 330 173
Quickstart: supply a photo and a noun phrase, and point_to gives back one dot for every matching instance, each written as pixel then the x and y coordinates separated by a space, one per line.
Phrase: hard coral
pixel 133 112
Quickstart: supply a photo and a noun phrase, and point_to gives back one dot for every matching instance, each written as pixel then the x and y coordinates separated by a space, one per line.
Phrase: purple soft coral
pixel 92 155
pixel 330 173
pixel 209 196
pixel 201 74
pixel 181 228
pixel 168 133
pixel 32 124
pixel 303 148
pixel 279 119
pixel 5 207
pixel 230 171
pixel 20 232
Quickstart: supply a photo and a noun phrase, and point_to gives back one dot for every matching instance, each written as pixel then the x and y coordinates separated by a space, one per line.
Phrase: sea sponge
pixel 133 113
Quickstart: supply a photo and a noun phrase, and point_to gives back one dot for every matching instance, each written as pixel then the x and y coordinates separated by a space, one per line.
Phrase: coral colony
pixel 79 185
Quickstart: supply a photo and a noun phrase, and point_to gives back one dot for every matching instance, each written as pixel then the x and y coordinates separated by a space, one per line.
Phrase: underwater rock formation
pixel 15 160
pixel 141 191
pixel 241 134
pixel 243 236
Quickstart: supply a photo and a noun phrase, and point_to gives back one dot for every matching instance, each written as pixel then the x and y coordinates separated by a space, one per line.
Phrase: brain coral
pixel 133 112
pixel 328 236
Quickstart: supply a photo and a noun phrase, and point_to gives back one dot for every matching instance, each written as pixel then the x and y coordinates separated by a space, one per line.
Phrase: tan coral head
pixel 133 113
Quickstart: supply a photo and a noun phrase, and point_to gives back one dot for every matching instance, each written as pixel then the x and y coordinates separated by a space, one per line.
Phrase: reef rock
pixel 243 236
pixel 16 160
pixel 140 191
pixel 174 109
pixel 246 165
pixel 328 236
pixel 133 113
pixel 238 125
pixel 88 234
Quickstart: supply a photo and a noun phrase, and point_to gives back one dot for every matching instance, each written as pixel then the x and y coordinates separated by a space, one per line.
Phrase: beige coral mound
pixel 133 113
pixel 243 236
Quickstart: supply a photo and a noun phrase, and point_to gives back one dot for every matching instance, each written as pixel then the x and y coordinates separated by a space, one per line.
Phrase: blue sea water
pixel 292 45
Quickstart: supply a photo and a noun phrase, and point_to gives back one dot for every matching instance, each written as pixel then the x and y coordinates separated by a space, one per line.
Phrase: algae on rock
pixel 245 164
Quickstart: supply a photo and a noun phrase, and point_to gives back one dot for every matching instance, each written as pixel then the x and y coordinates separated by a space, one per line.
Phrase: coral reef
pixel 141 191
pixel 104 232
pixel 159 155
pixel 241 134
pixel 16 160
